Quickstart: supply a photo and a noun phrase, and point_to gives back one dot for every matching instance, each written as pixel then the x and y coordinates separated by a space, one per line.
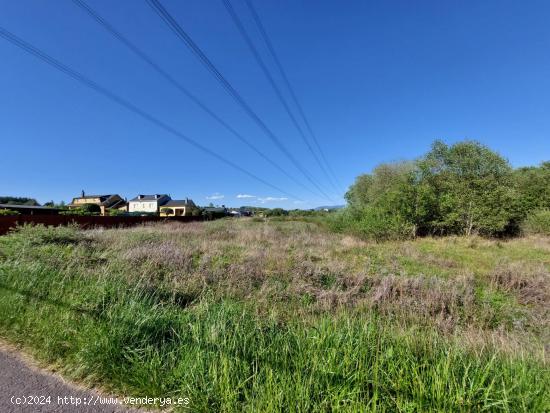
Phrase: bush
pixel 85 209
pixel 533 186
pixel 371 223
pixel 538 222
pixel 142 214
pixel 276 212
pixel 117 212
pixel 7 212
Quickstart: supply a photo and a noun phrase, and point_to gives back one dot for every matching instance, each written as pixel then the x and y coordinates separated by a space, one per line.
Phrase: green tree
pixel 275 212
pixel 461 189
pixel 386 203
pixel 473 190
pixel 84 209
pixel 15 200
pixel 533 187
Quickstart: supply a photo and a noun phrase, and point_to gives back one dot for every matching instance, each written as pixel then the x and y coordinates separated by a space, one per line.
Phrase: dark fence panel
pixel 8 222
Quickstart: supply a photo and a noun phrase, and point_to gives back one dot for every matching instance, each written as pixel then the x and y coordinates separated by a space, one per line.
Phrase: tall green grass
pixel 67 303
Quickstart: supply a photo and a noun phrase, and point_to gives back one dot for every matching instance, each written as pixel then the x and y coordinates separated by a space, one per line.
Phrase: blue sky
pixel 379 81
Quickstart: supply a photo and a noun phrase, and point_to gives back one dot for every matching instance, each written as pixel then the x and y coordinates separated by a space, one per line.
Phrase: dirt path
pixel 22 383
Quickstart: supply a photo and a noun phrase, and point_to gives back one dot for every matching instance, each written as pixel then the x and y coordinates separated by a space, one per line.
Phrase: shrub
pixel 6 212
pixel 91 209
pixel 85 209
pixel 537 222
pixel 371 223
pixel 276 212
pixel 142 214
pixel 117 212
pixel 533 186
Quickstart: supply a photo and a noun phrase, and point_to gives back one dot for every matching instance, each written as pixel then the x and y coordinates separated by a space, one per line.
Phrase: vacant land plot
pixel 249 315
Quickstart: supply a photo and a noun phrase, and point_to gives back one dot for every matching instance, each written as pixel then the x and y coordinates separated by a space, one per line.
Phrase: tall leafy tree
pixel 461 189
pixel 533 186
pixel 473 189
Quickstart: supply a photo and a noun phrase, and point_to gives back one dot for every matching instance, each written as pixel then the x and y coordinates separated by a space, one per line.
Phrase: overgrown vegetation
pixel 7 212
pixel 274 315
pixel 538 222
pixel 461 189
pixel 84 209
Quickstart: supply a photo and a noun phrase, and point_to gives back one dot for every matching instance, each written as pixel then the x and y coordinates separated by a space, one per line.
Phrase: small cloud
pixel 271 199
pixel 246 196
pixel 216 195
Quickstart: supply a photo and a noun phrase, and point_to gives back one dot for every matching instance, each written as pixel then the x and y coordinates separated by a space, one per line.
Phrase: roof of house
pixel 118 203
pixel 154 197
pixel 179 203
pixel 103 199
pixel 94 196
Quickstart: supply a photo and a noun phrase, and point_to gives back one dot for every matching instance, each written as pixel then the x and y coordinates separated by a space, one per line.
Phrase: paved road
pixel 19 379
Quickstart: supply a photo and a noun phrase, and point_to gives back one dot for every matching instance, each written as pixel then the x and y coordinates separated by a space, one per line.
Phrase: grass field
pixel 251 315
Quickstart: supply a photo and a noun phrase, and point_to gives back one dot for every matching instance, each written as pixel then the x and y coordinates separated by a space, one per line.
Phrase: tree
pixel 84 209
pixel 90 209
pixel 385 202
pixel 276 212
pixel 52 204
pixel 533 187
pixel 473 190
pixel 15 200
pixel 461 189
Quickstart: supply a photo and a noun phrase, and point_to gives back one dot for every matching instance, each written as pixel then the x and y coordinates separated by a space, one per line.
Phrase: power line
pixel 147 59
pixel 124 103
pixel 271 49
pixel 188 41
pixel 267 73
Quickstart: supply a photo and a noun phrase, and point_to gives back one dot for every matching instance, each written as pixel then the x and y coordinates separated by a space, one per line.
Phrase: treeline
pixel 14 200
pixel 461 189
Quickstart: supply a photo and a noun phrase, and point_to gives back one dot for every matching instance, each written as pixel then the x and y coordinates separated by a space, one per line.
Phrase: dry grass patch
pixel 296 268
pixel 530 283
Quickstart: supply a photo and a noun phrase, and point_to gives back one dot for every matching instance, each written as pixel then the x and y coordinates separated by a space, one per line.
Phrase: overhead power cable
pixel 147 59
pixel 188 41
pixel 279 65
pixel 10 37
pixel 271 80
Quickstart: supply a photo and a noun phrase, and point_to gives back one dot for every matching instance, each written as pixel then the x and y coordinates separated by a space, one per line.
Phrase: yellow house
pixel 178 208
pixel 105 202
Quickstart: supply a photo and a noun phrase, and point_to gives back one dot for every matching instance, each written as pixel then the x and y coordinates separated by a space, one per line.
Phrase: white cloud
pixel 216 195
pixel 246 196
pixel 271 199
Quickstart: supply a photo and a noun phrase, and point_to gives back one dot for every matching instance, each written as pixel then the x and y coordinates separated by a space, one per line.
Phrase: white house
pixel 147 203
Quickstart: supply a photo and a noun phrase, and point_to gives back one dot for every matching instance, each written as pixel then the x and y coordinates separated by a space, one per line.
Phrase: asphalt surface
pixel 25 388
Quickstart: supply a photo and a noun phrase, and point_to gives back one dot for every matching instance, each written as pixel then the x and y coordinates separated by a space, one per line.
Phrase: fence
pixel 8 222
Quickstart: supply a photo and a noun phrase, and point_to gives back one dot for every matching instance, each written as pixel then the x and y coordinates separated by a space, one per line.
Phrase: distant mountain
pixel 329 207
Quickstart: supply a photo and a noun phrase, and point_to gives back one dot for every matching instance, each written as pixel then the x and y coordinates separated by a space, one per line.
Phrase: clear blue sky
pixel 379 81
